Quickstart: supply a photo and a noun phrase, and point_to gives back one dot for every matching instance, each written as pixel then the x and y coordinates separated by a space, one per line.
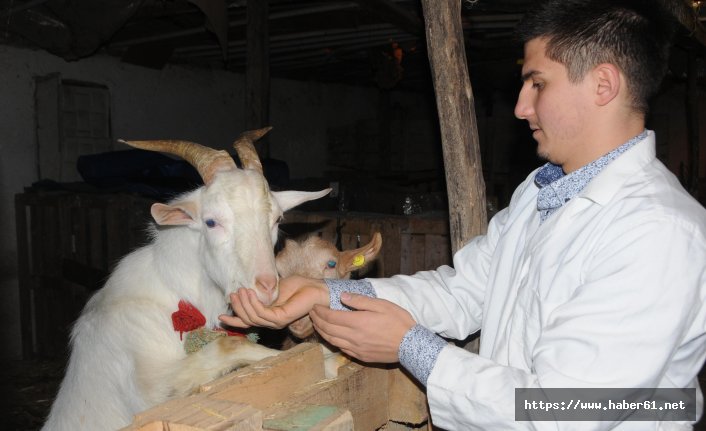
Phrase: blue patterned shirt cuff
pixel 336 287
pixel 419 350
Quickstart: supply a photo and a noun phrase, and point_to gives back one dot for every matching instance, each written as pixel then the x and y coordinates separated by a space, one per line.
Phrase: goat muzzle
pixel 266 287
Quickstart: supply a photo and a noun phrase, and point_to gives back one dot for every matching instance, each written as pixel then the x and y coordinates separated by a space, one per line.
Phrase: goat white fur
pixel 126 355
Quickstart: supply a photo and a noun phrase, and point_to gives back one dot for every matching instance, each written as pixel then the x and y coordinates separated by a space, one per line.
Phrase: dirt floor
pixel 29 387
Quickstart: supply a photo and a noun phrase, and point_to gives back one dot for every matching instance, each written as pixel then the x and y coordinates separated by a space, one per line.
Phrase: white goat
pixel 317 258
pixel 126 352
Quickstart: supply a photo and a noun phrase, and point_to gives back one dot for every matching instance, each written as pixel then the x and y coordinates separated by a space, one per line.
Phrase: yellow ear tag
pixel 358 260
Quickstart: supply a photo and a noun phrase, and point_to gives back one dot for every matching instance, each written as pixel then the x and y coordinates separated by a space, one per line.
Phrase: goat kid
pixel 318 258
pixel 126 354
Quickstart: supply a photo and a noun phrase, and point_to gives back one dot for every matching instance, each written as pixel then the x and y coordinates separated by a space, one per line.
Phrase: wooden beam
pixel 257 71
pixel 459 131
pixel 216 12
pixel 394 14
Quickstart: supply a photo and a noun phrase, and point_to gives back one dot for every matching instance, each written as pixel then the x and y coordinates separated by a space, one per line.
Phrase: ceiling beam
pixel 394 14
pixel 234 23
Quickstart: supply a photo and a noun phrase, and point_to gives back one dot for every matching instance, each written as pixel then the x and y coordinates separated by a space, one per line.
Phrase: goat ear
pixel 353 260
pixel 175 214
pixel 289 199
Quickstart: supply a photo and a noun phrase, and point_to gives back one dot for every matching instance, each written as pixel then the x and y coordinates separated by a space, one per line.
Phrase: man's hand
pixel 371 333
pixel 297 295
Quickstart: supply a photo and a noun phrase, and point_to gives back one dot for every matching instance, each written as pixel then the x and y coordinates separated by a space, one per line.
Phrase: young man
pixel 593 277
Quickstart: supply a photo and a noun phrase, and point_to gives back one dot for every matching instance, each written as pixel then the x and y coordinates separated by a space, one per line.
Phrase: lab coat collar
pixel 608 182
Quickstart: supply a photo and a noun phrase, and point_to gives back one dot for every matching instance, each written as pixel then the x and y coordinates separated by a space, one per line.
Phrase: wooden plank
pixel 405 254
pixel 397 426
pixel 311 418
pixel 117 238
pixel 361 390
pixel 79 230
pixel 407 401
pixel 96 238
pixel 392 251
pixel 437 251
pixel 360 398
pixel 198 412
pixel 67 238
pixel 23 272
pixel 427 225
pixel 417 253
pixel 47 240
pixel 293 369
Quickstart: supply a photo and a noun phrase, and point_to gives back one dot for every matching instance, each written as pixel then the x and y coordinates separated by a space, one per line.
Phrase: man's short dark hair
pixel 634 35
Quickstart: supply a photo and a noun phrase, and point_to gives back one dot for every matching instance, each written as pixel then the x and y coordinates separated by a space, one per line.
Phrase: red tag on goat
pixel 187 318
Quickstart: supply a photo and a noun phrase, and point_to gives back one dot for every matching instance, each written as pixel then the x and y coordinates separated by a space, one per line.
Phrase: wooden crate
pixel 409 243
pixel 67 243
pixel 291 392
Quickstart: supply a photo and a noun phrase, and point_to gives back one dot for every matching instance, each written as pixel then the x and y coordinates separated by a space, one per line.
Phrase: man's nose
pixel 523 107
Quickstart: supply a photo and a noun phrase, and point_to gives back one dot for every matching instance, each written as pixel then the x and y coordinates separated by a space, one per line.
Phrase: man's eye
pixel 211 223
pixel 537 85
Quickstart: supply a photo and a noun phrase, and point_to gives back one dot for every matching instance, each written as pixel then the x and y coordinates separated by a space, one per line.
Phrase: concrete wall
pixel 205 106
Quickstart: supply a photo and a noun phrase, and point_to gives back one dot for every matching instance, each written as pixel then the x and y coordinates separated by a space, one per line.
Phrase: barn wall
pixel 668 119
pixel 176 102
pixel 207 106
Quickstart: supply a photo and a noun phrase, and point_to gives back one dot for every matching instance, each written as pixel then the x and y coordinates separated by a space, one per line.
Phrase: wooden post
pixel 457 118
pixel 257 71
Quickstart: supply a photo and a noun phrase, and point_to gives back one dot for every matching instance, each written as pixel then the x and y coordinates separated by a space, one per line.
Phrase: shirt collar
pixel 556 188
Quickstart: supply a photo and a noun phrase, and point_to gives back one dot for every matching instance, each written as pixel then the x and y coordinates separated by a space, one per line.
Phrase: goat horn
pixel 207 161
pixel 245 147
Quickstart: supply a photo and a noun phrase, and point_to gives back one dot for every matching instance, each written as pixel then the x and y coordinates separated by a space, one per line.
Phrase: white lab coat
pixel 607 292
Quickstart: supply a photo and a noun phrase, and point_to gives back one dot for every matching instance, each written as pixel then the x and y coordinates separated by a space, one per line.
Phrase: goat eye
pixel 211 223
pixel 331 263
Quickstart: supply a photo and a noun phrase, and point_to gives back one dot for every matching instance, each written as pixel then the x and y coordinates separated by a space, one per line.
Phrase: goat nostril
pixel 267 283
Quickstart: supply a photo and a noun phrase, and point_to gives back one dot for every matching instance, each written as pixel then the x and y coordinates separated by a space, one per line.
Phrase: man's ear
pixel 608 83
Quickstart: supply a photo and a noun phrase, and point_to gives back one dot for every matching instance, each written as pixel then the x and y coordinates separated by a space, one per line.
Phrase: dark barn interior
pixel 347 87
